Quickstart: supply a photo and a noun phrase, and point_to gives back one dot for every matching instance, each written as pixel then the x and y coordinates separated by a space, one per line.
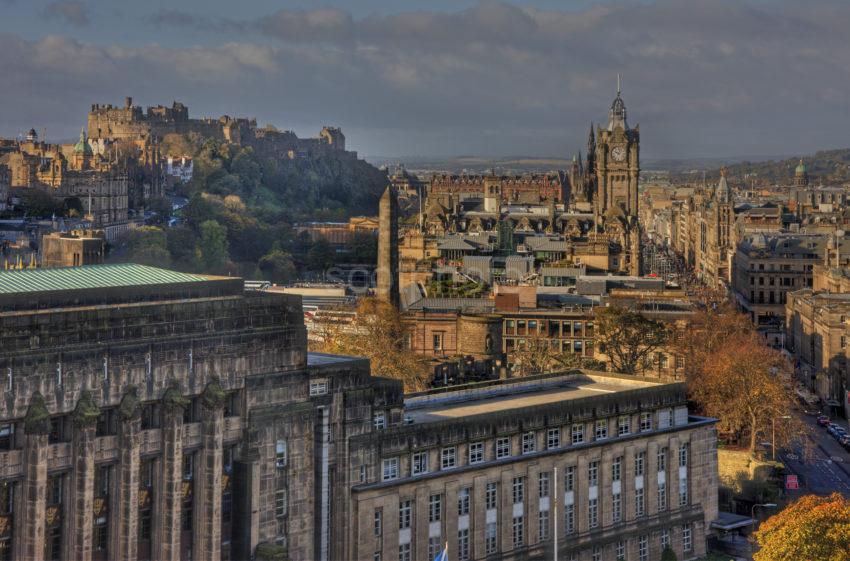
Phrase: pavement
pixel 826 469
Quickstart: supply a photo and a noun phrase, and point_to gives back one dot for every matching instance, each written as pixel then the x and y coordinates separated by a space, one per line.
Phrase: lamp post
pixel 753 521
pixel 773 435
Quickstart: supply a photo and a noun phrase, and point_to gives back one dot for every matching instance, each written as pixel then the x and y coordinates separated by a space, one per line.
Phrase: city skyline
pixel 707 79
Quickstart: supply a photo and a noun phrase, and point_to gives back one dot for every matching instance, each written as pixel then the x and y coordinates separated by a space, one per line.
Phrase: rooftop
pixel 516 394
pixel 90 277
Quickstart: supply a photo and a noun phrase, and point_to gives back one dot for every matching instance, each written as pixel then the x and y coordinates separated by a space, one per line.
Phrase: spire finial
pixel 618 84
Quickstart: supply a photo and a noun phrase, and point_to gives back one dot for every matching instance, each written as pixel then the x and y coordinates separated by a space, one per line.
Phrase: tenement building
pixel 148 414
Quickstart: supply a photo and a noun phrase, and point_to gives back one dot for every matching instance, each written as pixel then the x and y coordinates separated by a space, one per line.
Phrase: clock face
pixel 618 153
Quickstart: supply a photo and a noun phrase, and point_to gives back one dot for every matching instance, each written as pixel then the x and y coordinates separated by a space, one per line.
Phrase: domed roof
pixel 82 147
pixel 801 168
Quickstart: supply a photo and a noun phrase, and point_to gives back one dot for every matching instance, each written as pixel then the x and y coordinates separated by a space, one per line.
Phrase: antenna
pixel 618 83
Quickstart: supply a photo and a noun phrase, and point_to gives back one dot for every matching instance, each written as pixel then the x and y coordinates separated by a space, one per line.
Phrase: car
pixel 831 428
pixel 844 440
pixel 823 420
pixel 838 433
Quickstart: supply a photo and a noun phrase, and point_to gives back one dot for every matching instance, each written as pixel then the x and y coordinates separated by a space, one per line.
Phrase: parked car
pixel 838 433
pixel 831 428
pixel 823 420
pixel 844 440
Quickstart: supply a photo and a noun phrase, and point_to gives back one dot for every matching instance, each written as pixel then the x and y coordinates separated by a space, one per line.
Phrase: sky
pixel 703 78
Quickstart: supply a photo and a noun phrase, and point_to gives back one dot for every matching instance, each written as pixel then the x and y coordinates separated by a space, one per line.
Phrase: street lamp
pixel 773 435
pixel 753 521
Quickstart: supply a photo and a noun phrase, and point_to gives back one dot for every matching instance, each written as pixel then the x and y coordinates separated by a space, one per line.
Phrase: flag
pixel 443 555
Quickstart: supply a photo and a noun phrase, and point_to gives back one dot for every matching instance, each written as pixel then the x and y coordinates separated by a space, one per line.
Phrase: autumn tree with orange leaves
pixel 812 529
pixel 735 376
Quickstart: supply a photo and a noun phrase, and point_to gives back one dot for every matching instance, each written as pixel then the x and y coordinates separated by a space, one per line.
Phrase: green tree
pixel 161 207
pixel 146 246
pixel 628 338
pixel 362 247
pixel 182 243
pixel 213 245
pixel 277 266
pixel 668 554
pixel 321 255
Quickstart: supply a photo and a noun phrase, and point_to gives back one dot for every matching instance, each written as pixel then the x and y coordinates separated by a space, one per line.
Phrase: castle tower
pixel 387 289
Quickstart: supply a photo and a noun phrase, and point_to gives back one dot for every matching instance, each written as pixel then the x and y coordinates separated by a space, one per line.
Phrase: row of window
pixel 549 328
pixel 503 446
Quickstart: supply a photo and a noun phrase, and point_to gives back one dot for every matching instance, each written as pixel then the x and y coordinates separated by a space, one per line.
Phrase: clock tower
pixel 617 163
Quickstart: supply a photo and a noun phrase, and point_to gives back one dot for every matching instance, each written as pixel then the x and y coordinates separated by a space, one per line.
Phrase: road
pixel 827 469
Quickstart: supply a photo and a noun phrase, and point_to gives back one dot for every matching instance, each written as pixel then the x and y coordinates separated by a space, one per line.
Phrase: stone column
pixel 246 500
pixel 207 531
pixel 32 521
pixel 125 509
pixel 81 499
pixel 167 536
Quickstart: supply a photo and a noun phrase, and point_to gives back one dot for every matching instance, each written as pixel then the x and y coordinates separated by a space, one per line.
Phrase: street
pixel 827 469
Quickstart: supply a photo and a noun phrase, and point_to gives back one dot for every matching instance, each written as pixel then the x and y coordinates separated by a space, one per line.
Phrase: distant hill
pixel 825 166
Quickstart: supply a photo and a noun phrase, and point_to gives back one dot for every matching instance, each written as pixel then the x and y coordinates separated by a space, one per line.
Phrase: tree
pixel 321 255
pixel 183 247
pixel 668 554
pixel 146 246
pixel 628 338
pixel 362 248
pixel 213 245
pixel 377 333
pixel 810 528
pixel 744 385
pixel 277 266
pixel 538 355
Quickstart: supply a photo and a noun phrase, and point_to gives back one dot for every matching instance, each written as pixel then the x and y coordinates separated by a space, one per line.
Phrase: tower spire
pixel 618 84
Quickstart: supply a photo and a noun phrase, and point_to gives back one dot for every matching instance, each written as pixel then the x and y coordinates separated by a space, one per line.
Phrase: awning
pixel 728 521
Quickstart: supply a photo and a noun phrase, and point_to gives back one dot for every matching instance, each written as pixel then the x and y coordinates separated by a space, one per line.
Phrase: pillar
pixel 167 536
pixel 126 506
pixel 32 522
pixel 81 497
pixel 208 527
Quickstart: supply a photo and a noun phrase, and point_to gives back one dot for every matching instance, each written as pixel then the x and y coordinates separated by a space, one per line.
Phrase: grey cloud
pixel 75 13
pixel 703 77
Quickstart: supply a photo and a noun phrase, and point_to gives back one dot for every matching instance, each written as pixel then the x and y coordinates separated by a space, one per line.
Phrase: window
pixel 593 473
pixel 569 518
pixel 640 461
pixel 379 522
pixel 362 474
pixel 553 438
pixel 645 422
pixel 569 478
pixel 518 531
pixel 280 503
pixel 490 494
pixel 503 447
pixel 621 550
pixel 643 548
pixel 435 508
pixel 490 543
pixel 597 554
pixel 593 513
pixel 476 452
pixel 683 491
pixel 683 455
pixel 601 429
pixel 463 545
pixel 100 537
pixel 617 468
pixel 438 341
pixel 404 514
pixel 639 502
pixel 376 556
pixel 616 507
pixel 662 459
pixel 665 539
pixel 518 489
pixel 280 454
pixel 7 436
pixel 380 421
pixel 318 387
pixel 449 457
pixel 687 538
pixel 578 434
pixel 419 463
pixel 543 485
pixel 528 442
pixel 463 501
pixel 623 425
pixel 390 469
pixel 543 525
pixel 662 496
pixel 404 552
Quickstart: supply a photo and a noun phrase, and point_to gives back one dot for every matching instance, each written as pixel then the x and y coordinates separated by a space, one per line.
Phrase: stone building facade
pixel 149 414
pixel 72 249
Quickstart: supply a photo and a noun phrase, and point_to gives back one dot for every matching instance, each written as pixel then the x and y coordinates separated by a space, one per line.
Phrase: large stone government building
pixel 149 414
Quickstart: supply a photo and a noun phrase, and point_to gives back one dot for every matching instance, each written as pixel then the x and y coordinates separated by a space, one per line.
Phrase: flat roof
pixel 434 407
pixel 91 277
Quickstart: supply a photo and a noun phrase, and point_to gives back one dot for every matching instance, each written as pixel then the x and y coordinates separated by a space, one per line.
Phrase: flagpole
pixel 555 513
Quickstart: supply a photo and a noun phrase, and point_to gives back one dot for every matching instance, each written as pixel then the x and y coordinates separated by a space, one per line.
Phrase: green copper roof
pixel 88 277
pixel 801 168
